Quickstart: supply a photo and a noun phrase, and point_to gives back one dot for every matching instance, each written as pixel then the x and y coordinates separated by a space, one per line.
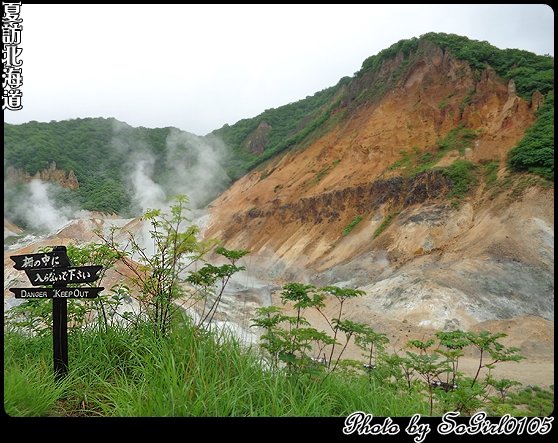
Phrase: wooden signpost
pixel 54 268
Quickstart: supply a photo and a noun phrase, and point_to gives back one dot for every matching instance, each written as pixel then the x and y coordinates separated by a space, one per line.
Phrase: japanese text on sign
pixel 54 259
pixel 46 261
pixel 83 274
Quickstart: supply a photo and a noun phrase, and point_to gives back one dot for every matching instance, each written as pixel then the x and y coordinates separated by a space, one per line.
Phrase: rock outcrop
pixel 418 255
pixel 51 174
pixel 257 141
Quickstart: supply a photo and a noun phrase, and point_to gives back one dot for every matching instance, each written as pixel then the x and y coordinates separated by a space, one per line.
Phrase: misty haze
pixel 385 244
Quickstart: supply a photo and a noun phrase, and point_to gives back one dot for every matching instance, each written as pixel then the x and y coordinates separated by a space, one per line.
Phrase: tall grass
pixel 135 372
pixel 30 391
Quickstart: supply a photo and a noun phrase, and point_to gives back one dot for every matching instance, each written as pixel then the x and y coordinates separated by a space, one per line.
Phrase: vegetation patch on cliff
pixel 535 152
pixel 355 221
pixel 385 223
pixel 416 162
pixel 463 178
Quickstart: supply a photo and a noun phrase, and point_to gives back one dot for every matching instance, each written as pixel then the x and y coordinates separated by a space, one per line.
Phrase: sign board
pixel 54 268
pixel 49 276
pixel 56 292
pixel 55 259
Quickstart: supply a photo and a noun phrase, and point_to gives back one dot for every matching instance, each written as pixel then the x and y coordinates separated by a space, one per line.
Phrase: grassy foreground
pixel 133 372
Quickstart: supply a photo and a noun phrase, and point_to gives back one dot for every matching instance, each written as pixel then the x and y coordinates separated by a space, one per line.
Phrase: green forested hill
pixel 80 145
pixel 86 146
pixel 530 72
pixel 103 153
pixel 98 149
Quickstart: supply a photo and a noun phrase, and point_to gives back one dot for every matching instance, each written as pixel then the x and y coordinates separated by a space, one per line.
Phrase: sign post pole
pixel 60 335
pixel 60 330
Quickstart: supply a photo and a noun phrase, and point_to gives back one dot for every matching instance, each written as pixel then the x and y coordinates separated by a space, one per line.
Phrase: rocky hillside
pixel 426 180
pixel 406 193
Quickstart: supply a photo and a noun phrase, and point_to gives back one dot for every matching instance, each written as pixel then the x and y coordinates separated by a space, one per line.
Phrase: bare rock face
pixel 309 196
pixel 536 100
pixel 511 88
pixel 51 174
pixel 432 264
pixel 72 180
pixel 257 141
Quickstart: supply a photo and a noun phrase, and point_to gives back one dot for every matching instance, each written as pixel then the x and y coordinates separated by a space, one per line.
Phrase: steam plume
pixel 38 210
pixel 189 164
pixel 146 193
pixel 195 167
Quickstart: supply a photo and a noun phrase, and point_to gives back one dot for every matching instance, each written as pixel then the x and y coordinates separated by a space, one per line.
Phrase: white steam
pixel 37 208
pixel 194 166
pixel 146 194
pixel 188 164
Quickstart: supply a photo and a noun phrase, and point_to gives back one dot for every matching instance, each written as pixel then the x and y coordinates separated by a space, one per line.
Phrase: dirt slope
pixel 437 265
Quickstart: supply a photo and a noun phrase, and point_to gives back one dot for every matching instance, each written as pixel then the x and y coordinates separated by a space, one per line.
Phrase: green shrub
pixel 535 152
pixel 403 162
pixel 385 223
pixel 355 221
pixel 463 177
pixel 443 104
pixel 458 138
pixel 491 172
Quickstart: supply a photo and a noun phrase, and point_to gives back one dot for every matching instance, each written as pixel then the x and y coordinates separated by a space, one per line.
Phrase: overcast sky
pixel 197 67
